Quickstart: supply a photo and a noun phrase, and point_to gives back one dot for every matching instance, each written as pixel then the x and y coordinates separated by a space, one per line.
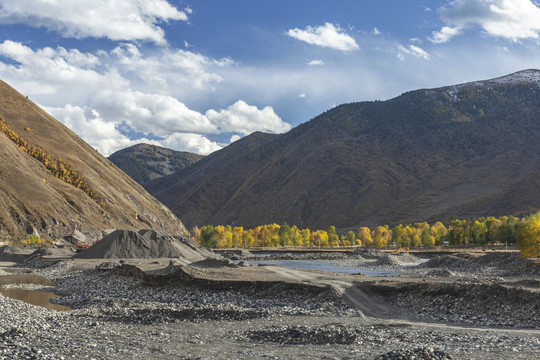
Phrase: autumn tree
pixel 364 235
pixel 381 236
pixel 297 236
pixel 237 239
pixel 529 237
pixel 196 234
pixel 319 238
pixel 306 236
pixel 333 238
pixel 247 238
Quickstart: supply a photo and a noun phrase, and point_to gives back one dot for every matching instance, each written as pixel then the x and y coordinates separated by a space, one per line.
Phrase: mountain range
pixel 144 162
pixel 431 154
pixel 53 183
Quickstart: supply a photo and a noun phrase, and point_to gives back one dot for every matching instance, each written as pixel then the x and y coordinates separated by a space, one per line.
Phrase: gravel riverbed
pixel 122 317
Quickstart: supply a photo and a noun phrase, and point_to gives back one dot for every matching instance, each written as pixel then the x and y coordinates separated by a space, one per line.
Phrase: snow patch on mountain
pixel 526 76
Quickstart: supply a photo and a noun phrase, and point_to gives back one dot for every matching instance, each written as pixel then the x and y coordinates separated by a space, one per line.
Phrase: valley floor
pixel 154 309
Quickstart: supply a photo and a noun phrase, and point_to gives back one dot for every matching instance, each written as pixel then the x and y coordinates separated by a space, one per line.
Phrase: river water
pixel 36 297
pixel 323 266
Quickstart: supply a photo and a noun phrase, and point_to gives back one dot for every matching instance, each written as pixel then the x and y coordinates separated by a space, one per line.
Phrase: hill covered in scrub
pixel 52 182
pixel 457 151
pixel 144 162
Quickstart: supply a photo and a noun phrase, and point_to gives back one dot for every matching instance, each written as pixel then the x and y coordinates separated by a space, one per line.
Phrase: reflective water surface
pixel 34 297
pixel 323 266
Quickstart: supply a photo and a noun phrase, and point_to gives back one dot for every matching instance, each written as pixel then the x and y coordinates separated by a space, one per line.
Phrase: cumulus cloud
pixel 245 119
pixel 162 68
pixel 88 123
pixel 152 113
pixel 190 142
pixel 98 94
pixel 116 20
pixel 509 19
pixel 327 35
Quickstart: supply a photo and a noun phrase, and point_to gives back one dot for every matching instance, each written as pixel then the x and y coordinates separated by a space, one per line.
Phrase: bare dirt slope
pixel 31 197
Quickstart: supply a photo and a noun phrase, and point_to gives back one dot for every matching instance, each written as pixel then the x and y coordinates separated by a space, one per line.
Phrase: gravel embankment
pixel 119 317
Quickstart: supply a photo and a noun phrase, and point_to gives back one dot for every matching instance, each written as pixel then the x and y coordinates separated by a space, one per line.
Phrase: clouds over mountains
pixel 107 95
pixel 122 72
pixel 510 19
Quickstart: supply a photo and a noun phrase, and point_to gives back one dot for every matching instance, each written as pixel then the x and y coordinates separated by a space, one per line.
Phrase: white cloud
pixel 316 62
pixel 234 138
pixel 245 119
pixel 412 50
pixel 116 20
pixel 376 31
pixel 445 34
pixel 87 122
pixel 419 52
pixel 302 95
pixel 155 114
pixel 168 67
pixel 328 35
pixel 509 19
pixel 98 94
pixel 190 142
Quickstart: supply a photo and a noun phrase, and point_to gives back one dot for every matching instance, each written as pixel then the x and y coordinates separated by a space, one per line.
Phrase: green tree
pixel 351 237
pixel 209 237
pixel 333 238
pixel 285 235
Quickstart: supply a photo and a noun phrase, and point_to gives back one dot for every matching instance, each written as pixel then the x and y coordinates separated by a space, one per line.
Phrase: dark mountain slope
pixel 144 162
pixel 31 197
pixel 425 155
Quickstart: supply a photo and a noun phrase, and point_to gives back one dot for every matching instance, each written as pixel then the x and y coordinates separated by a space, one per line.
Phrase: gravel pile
pixel 470 303
pixel 13 253
pixel 450 262
pixel 144 244
pixel 119 317
pixel 495 263
pixel 12 346
pixel 304 335
pixel 122 298
pixel 416 354
pixel 439 273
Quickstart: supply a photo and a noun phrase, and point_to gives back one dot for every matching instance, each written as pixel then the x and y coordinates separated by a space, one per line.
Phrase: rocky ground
pixel 151 309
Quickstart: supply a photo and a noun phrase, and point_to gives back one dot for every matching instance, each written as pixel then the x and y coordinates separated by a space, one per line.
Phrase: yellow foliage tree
pixel 364 235
pixel 529 237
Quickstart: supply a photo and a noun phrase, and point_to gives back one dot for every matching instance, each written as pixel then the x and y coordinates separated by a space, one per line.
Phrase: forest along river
pixel 26 294
pixel 323 266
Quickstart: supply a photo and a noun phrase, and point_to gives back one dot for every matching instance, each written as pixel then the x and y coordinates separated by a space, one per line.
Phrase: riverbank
pixel 152 309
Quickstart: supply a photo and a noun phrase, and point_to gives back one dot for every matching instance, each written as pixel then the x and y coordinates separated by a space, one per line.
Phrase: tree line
pixel 478 231
pixel 59 168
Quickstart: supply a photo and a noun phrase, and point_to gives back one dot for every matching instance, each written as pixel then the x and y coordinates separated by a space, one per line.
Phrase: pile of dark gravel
pixel 416 354
pixel 303 335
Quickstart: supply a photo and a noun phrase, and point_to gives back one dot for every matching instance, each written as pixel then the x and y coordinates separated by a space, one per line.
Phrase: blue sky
pixel 197 75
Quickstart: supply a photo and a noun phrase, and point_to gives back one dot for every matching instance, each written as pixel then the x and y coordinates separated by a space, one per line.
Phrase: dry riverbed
pixel 154 309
